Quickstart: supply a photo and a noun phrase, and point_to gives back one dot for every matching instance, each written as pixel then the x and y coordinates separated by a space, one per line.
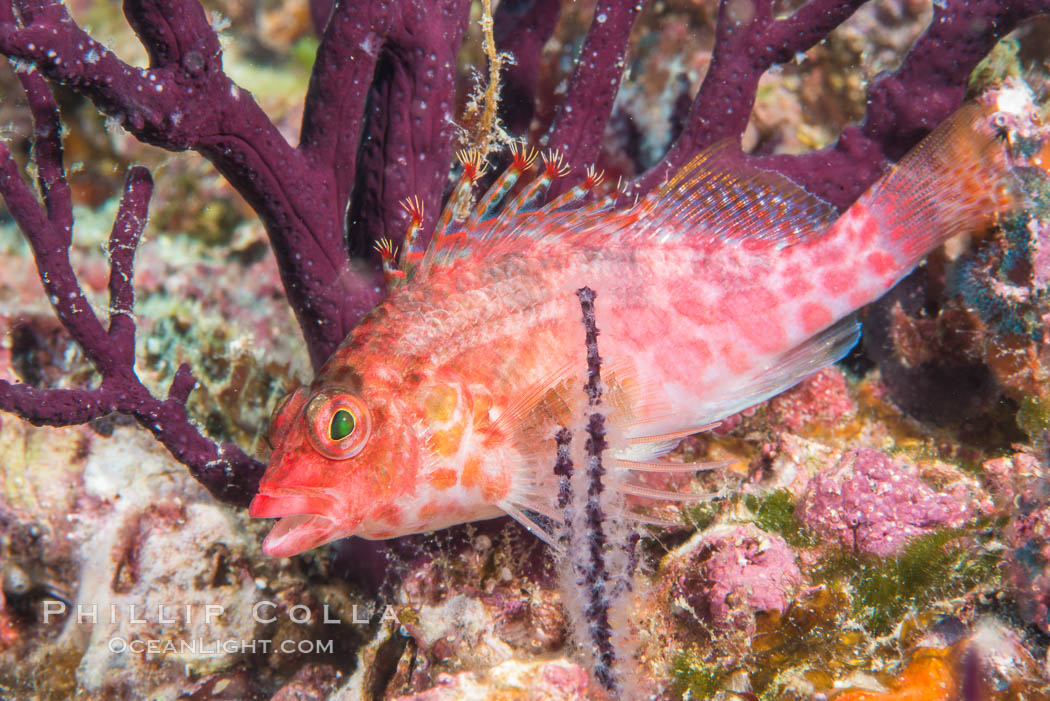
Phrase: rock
pixel 727 574
pixel 870 504
pixel 553 680
pixel 819 401
pixel 1027 565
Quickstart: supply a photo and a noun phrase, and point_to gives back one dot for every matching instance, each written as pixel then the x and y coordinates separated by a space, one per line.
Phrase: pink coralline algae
pixel 730 573
pixel 1027 566
pixel 1016 481
pixel 820 400
pixel 869 503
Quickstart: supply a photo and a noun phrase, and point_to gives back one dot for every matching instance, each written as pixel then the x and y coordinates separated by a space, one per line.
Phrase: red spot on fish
pixel 702 352
pixel 858 298
pixel 815 317
pixel 387 513
pixel 472 472
pixel 766 337
pixel 867 229
pixel 687 306
pixel 881 263
pixel 495 488
pixel 797 287
pixel 737 358
pixel 430 510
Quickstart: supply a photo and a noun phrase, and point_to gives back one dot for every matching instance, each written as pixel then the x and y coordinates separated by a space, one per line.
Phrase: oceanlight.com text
pixel 211 648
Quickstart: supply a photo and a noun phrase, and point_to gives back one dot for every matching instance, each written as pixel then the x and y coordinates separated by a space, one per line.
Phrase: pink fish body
pixel 712 294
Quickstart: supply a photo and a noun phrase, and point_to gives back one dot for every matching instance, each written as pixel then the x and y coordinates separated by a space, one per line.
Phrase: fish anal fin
pixel 790 368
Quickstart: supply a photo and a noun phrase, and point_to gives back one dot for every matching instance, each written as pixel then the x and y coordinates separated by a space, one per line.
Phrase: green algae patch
pixel 775 513
pixel 694 678
pixel 702 514
pixel 1033 418
pixel 1004 61
pixel 933 567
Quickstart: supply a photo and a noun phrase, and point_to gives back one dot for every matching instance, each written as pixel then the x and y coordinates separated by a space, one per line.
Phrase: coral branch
pixel 407 143
pixel 333 114
pixel 522 28
pixel 748 41
pixel 175 33
pixel 905 105
pixel 600 555
pixel 51 250
pixel 54 407
pixel 123 241
pixel 47 152
pixel 226 471
pixel 902 107
pixel 579 123
pixel 185 101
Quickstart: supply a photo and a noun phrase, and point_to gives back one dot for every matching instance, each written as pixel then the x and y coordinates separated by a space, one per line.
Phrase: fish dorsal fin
pixel 718 194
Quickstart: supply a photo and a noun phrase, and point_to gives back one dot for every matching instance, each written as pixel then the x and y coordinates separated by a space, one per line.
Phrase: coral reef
pixel 879 532
pixel 395 90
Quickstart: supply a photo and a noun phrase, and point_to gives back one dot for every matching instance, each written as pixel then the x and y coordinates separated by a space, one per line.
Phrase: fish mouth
pixel 299 526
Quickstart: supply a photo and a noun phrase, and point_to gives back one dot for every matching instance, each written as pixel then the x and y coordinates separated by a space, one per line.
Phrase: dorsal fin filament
pixel 594 179
pixel 388 254
pixel 413 206
pixel 523 158
pixel 553 167
pixel 474 166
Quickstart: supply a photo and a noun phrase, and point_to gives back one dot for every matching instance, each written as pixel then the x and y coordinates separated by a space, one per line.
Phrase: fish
pixel 718 290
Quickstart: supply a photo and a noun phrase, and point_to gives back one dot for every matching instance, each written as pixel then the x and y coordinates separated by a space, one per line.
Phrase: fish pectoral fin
pixel 671 467
pixel 535 414
pixel 672 436
pixel 779 374
pixel 787 370
pixel 667 495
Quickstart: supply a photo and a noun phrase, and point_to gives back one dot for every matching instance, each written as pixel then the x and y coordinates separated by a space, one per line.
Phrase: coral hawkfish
pixel 715 292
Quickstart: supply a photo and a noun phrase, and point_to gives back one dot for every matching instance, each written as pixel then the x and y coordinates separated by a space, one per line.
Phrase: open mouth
pixel 299 527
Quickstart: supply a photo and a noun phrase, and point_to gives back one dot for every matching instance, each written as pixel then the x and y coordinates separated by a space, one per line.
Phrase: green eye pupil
pixel 342 425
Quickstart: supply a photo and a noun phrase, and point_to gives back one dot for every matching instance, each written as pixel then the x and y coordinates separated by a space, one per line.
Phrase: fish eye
pixel 343 424
pixel 337 423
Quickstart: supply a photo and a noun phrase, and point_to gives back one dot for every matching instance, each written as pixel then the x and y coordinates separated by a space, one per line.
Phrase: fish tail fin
pixel 958 179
